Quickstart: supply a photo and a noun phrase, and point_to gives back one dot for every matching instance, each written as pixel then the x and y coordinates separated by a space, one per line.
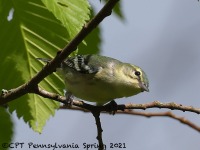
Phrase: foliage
pixel 33 29
pixel 5 126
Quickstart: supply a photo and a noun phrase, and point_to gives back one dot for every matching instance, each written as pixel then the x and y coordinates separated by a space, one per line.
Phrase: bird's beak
pixel 144 87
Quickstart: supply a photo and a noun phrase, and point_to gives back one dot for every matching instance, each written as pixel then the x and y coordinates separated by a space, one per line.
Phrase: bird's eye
pixel 137 73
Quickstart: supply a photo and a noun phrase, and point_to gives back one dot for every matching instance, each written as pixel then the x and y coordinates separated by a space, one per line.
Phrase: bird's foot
pixel 112 107
pixel 69 99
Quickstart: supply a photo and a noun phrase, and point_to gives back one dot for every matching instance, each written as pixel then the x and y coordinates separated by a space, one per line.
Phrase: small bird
pixel 101 79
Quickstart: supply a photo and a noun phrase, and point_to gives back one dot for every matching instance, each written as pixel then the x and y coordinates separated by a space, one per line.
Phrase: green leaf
pixel 31 32
pixel 93 41
pixel 118 10
pixel 72 13
pixel 6 126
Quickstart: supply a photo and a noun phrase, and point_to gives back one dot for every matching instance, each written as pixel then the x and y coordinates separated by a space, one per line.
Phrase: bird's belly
pixel 93 92
pixel 99 90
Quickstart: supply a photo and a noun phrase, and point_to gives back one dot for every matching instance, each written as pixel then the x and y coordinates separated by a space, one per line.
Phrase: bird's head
pixel 141 78
pixel 136 78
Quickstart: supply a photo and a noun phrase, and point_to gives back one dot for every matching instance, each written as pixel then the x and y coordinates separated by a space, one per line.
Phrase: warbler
pixel 101 79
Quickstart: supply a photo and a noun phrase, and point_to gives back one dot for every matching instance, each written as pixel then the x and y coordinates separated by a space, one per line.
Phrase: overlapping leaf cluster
pixel 38 28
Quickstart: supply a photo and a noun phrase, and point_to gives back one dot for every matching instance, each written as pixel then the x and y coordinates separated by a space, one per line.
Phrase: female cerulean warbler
pixel 101 79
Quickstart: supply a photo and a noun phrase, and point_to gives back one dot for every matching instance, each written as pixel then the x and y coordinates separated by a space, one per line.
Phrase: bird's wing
pixel 80 64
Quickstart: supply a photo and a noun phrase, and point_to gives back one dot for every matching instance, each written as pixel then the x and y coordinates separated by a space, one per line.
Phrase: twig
pixel 126 109
pixel 96 115
pixel 154 104
pixel 50 95
pixel 163 114
pixel 157 104
pixel 145 114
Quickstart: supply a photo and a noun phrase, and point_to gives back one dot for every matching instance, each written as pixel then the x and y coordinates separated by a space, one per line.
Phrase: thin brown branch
pixel 124 109
pixel 154 104
pixel 49 95
pixel 96 115
pixel 30 86
pixel 163 114
pixel 145 114
pixel 85 106
pixel 157 104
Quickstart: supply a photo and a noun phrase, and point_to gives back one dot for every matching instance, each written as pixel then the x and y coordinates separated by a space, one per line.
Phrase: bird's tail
pixel 44 59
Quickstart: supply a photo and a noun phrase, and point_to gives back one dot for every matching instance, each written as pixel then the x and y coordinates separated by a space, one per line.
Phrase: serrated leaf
pixel 6 126
pixel 30 32
pixel 93 41
pixel 72 13
pixel 118 10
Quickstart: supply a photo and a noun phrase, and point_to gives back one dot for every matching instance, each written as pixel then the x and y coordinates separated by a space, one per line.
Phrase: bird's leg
pixel 112 105
pixel 69 98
